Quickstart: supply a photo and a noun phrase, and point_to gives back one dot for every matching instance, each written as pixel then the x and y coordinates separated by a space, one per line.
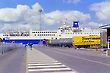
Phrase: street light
pixel 40 11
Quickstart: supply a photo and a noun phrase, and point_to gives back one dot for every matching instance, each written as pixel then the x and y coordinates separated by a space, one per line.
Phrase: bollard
pixel 2 48
pixel 108 52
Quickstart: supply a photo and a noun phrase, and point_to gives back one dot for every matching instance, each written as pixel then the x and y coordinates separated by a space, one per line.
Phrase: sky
pixel 24 14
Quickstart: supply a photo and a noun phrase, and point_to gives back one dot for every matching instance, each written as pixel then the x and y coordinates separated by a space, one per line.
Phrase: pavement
pixel 13 61
pixel 38 62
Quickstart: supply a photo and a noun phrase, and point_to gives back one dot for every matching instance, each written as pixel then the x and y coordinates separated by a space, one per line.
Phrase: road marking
pixel 51 68
pixel 45 64
pixel 48 67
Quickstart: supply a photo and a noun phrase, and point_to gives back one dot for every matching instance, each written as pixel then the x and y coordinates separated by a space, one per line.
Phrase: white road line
pixel 39 62
pixel 46 64
pixel 42 62
pixel 51 69
pixel 65 72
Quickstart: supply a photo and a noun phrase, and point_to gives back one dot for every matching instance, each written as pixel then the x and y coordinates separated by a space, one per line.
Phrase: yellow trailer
pixel 86 40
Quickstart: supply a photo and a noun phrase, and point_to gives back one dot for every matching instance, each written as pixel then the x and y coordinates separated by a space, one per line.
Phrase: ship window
pixel 33 32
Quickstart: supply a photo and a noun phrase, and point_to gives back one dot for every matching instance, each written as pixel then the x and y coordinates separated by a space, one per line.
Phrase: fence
pixel 5 47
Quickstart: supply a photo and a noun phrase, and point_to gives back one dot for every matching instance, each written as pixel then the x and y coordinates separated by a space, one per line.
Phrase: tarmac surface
pixel 81 60
pixel 43 59
pixel 38 62
pixel 13 61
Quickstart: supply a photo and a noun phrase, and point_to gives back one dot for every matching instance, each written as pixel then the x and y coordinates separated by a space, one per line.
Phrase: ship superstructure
pixel 35 37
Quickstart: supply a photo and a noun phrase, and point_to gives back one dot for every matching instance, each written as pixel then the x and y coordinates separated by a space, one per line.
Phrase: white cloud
pixel 24 17
pixel 102 10
pixel 21 15
pixel 94 24
pixel 72 1
pixel 56 17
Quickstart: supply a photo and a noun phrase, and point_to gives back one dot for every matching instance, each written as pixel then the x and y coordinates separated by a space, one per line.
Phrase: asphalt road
pixel 83 61
pixel 13 61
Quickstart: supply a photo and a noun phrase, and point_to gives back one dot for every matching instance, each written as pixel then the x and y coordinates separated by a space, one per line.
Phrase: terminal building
pixel 108 36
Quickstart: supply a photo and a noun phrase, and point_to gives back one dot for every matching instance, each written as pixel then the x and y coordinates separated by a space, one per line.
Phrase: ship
pixel 36 37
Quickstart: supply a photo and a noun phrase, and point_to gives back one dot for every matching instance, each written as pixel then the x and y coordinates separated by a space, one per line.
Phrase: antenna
pixel 65 21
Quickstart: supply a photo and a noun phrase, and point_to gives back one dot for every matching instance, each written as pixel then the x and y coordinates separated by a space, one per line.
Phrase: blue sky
pixel 51 5
pixel 88 12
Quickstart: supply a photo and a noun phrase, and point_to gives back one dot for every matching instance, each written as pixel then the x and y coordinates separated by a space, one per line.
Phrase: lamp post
pixel 40 11
pixel 40 20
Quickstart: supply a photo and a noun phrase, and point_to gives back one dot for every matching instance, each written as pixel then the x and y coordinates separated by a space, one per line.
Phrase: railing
pixel 5 47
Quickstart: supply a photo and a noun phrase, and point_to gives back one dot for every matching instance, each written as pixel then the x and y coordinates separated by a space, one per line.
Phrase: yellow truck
pixel 87 41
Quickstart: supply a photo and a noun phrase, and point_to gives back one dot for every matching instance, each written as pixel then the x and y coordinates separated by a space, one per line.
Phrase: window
pixel 33 32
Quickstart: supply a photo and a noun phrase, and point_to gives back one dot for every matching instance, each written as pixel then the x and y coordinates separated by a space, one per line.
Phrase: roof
pixel 105 26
